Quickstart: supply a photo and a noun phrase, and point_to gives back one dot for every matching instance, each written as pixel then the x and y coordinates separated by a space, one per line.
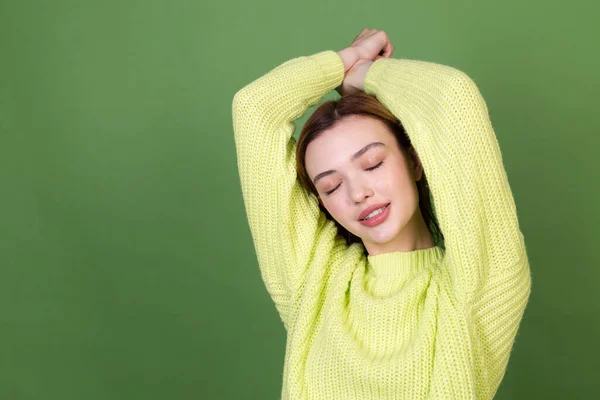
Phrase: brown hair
pixel 330 112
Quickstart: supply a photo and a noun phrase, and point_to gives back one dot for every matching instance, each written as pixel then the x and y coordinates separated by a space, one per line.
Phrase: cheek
pixel 396 184
pixel 338 209
pixel 401 172
pixel 389 181
pixel 334 206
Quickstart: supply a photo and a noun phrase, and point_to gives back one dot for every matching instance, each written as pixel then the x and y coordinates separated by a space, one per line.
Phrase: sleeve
pixel 447 121
pixel 288 229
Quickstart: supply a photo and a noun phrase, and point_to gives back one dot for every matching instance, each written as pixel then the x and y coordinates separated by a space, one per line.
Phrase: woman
pixel 377 303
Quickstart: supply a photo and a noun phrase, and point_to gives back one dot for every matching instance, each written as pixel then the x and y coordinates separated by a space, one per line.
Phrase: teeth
pixel 374 213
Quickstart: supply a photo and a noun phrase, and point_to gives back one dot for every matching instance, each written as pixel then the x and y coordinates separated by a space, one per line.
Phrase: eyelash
pixel 368 169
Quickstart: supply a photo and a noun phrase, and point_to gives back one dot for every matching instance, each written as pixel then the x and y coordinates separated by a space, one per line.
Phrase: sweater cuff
pixel 331 66
pixel 373 76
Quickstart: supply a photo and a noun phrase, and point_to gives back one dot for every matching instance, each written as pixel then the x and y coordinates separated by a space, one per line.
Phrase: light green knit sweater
pixel 429 323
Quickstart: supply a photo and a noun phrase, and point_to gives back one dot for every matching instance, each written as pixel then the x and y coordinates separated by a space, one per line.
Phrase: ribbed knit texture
pixel 429 323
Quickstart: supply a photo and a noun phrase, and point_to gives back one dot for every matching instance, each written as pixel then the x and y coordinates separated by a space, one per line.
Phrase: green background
pixel 127 269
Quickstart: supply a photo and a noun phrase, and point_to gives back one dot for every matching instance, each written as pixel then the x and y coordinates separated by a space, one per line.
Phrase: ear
pixel 417 166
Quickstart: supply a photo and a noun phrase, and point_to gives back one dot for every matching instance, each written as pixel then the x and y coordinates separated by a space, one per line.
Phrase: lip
pixel 370 209
pixel 378 219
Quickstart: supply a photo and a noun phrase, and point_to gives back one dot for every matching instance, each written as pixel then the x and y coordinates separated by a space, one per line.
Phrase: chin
pixel 379 234
pixel 383 236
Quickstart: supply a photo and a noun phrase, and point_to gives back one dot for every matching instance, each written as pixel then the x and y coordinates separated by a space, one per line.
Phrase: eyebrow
pixel 352 158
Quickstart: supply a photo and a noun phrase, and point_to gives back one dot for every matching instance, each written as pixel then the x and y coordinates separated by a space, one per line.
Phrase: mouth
pixel 378 212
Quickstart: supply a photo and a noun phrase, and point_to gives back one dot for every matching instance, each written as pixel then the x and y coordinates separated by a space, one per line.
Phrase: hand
pixel 369 46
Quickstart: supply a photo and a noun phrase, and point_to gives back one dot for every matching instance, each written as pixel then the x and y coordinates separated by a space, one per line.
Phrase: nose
pixel 360 190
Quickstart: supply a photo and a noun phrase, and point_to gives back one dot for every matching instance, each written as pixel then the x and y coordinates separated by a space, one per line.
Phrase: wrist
pixel 361 68
pixel 349 56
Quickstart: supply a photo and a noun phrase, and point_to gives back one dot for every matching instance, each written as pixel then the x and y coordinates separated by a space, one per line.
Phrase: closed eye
pixel 367 169
pixel 375 167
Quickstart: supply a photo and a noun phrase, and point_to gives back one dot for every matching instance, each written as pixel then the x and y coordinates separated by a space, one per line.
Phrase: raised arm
pixel 447 121
pixel 285 220
pixel 290 232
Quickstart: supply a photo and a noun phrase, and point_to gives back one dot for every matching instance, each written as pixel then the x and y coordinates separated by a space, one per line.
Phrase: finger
pixel 364 32
pixel 387 46
pixel 361 35
pixel 391 51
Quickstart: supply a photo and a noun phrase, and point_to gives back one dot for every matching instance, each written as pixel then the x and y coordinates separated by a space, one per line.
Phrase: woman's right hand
pixel 369 46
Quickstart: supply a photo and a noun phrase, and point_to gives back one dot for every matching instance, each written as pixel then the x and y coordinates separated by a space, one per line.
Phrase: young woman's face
pixel 357 164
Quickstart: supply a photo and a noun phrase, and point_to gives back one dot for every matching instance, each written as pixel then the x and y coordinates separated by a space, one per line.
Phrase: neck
pixel 414 236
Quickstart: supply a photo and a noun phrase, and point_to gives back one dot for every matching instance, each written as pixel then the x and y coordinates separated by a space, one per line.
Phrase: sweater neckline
pixel 407 263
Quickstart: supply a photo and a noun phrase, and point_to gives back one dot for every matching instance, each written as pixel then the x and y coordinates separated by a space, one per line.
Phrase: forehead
pixel 337 144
